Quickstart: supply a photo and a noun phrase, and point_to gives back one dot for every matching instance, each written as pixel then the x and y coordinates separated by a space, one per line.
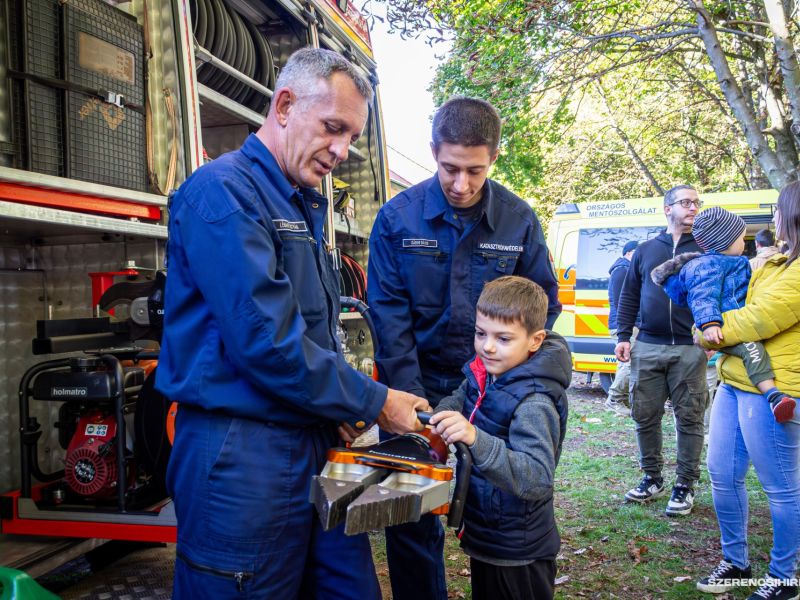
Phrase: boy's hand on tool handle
pixel 399 414
pixel 454 427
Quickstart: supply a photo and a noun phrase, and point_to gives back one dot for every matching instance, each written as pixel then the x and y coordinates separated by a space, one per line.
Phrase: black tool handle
pixel 456 513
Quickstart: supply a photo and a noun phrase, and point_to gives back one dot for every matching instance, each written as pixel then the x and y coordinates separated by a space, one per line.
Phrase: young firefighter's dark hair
pixel 467 122
pixel 514 299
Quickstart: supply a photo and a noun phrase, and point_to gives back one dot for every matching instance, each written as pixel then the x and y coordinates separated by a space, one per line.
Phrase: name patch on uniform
pixel 500 247
pixel 420 243
pixel 284 225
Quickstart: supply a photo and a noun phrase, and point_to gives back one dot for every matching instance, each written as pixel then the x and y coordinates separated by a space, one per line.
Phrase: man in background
pixel 618 392
pixel 664 361
pixel 765 248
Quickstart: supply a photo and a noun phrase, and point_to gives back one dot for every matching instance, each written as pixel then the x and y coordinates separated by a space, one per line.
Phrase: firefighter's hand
pixel 713 335
pixel 348 433
pixel 453 427
pixel 399 414
pixel 623 351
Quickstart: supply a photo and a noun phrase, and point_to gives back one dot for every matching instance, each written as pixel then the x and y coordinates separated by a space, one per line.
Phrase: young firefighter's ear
pixel 535 340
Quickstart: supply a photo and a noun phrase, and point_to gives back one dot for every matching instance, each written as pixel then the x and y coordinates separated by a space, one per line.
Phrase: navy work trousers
pixel 245 526
pixel 415 551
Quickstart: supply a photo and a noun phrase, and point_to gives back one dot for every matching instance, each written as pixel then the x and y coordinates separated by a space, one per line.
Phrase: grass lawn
pixel 611 549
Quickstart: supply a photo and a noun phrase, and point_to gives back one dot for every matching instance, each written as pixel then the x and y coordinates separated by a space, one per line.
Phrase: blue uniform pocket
pixel 300 266
pixel 249 483
pixel 487 266
pixel 427 272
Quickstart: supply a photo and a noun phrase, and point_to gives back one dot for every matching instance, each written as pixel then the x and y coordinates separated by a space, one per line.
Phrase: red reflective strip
pixel 24 194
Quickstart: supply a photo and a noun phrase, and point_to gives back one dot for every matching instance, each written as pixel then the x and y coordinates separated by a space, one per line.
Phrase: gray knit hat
pixel 716 229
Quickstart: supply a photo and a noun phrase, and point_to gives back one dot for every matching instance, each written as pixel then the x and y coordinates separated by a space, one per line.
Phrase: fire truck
pixel 105 108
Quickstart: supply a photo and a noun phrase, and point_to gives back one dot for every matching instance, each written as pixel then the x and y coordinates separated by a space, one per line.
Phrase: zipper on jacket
pixel 238 576
pixel 671 329
pixel 300 238
pixel 436 254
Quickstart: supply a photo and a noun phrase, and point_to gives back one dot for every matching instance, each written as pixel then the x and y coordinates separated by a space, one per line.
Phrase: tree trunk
pixel 637 160
pixel 784 48
pixel 756 140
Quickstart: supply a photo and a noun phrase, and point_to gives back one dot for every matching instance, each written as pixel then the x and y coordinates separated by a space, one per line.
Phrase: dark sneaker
pixel 773 589
pixel 681 501
pixel 720 579
pixel 783 409
pixel 649 488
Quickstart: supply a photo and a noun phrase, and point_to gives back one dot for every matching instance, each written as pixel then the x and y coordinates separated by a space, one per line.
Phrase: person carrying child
pixel 511 411
pixel 715 282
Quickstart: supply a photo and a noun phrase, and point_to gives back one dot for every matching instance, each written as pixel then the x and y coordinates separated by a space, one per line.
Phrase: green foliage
pixel 608 99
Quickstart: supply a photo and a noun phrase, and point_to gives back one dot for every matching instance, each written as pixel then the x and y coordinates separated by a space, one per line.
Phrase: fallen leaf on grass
pixel 591 420
pixel 604 538
pixel 580 550
pixel 560 580
pixel 635 552
pixel 681 578
pixel 465 572
pixel 453 557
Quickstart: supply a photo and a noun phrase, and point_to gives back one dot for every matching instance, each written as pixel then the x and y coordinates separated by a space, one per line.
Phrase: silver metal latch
pixel 115 99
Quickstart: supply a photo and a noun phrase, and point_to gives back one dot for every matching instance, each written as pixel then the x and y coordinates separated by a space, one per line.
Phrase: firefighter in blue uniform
pixel 251 354
pixel 432 248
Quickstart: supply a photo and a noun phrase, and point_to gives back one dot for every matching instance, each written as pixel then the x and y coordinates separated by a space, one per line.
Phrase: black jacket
pixel 616 277
pixel 662 322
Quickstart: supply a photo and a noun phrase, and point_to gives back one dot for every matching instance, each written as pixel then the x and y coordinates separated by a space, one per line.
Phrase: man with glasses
pixel 664 362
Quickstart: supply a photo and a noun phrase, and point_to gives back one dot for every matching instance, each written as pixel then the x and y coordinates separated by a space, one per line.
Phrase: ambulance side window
pixel 599 248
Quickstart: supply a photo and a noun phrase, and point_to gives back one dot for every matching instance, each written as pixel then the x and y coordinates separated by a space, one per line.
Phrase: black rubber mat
pixel 141 575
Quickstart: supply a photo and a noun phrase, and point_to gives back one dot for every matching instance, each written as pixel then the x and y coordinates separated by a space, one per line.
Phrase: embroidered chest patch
pixel 418 243
pixel 284 225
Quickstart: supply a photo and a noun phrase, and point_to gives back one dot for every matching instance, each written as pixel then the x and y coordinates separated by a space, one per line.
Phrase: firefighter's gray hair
pixel 307 66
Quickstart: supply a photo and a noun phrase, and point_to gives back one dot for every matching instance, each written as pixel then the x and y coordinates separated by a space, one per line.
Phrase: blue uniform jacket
pixel 425 276
pixel 709 284
pixel 252 300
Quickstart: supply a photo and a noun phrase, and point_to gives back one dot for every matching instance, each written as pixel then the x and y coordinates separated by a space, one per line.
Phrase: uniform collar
pixel 255 149
pixel 436 204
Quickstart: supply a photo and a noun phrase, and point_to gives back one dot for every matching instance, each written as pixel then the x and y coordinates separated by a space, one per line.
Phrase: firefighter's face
pixel 462 172
pixel 319 128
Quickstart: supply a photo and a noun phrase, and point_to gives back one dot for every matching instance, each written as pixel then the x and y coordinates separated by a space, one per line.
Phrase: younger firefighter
pixel 512 413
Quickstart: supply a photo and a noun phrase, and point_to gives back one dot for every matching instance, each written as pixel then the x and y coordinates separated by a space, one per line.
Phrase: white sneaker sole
pixel 714 588
pixel 680 512
pixel 630 498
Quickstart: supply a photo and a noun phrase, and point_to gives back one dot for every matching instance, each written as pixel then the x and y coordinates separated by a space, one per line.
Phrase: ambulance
pixel 586 238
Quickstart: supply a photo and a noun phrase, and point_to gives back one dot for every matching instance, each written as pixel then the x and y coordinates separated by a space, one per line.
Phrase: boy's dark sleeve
pixel 527 468
pixel 628 304
pixel 455 401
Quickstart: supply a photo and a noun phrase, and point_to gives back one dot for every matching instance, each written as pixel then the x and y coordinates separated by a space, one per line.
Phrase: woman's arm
pixel 773 305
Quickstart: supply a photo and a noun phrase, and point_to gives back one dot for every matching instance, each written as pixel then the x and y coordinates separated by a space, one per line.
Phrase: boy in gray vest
pixel 511 411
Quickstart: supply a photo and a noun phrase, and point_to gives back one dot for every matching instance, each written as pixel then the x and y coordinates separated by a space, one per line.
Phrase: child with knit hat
pixel 714 282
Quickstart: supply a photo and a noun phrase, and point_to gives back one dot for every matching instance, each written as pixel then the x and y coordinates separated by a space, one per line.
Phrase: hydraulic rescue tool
pixel 392 482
